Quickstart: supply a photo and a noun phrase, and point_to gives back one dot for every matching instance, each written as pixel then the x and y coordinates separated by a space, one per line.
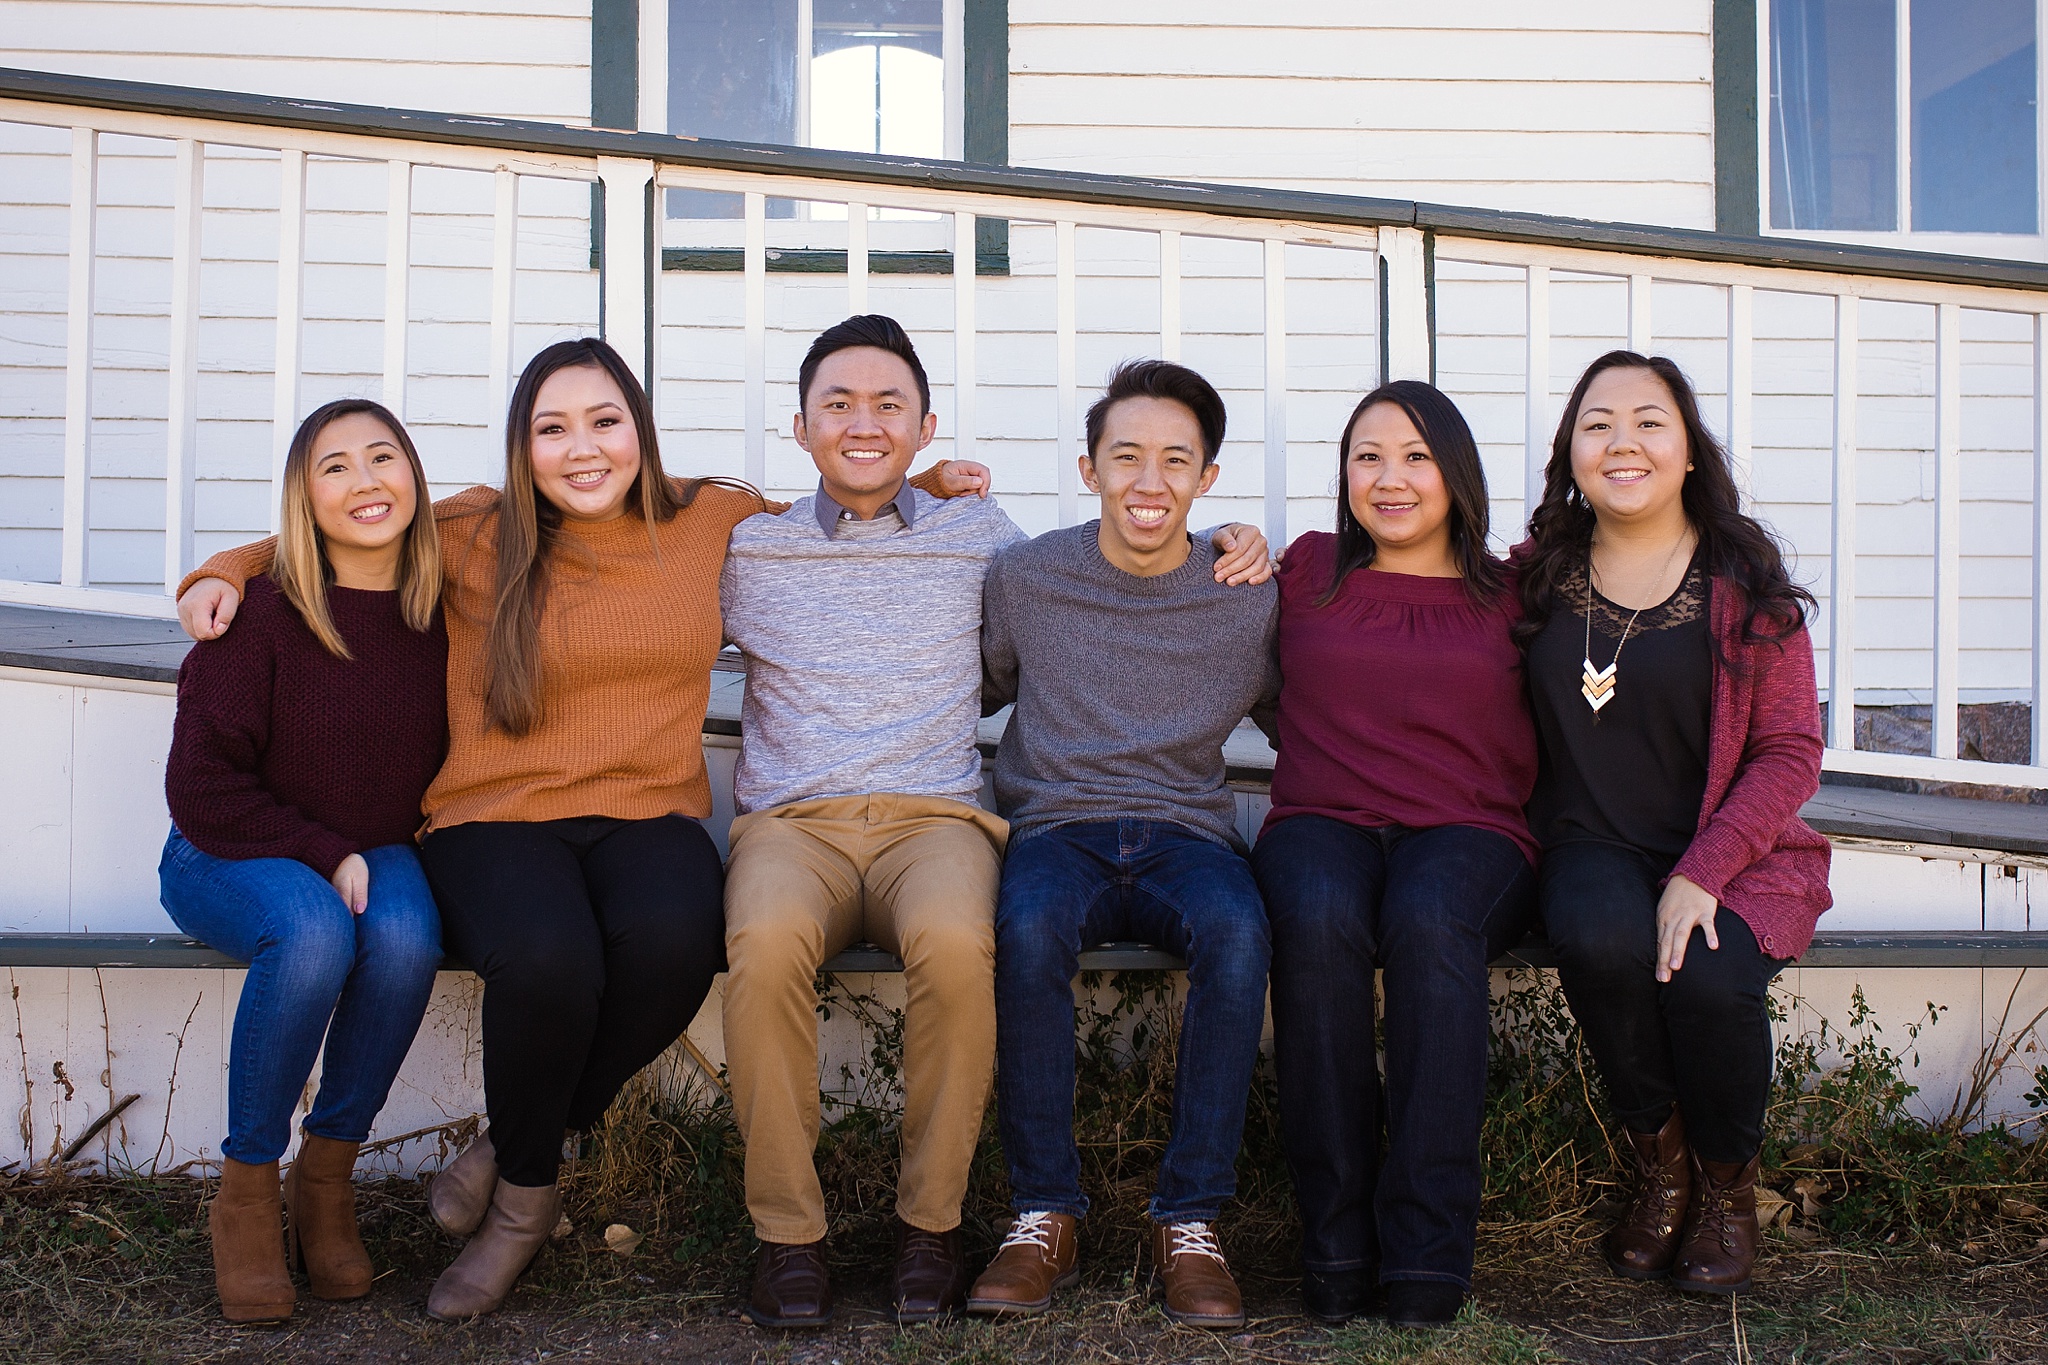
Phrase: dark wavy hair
pixel 1450 443
pixel 1738 550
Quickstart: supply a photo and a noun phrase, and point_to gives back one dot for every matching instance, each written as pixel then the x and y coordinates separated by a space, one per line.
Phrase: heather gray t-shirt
pixel 1126 687
pixel 863 650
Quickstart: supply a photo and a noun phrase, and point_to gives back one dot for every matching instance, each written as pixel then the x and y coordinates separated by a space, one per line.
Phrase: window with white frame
pixel 850 75
pixel 1890 119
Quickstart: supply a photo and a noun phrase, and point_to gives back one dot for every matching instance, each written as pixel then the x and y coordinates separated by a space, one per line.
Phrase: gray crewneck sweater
pixel 862 650
pixel 1126 687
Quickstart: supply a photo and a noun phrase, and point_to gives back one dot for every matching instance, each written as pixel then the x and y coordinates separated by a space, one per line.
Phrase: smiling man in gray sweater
pixel 1129 666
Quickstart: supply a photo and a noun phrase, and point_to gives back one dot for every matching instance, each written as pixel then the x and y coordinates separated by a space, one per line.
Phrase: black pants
pixel 1702 1040
pixel 596 940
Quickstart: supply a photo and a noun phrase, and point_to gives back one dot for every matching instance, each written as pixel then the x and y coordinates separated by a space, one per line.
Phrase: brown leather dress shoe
pixel 791 1288
pixel 320 1219
pixel 1188 1265
pixel 1719 1249
pixel 1645 1242
pixel 931 1275
pixel 1037 1257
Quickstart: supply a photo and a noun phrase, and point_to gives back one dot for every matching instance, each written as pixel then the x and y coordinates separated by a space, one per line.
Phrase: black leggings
pixel 596 940
pixel 1701 1041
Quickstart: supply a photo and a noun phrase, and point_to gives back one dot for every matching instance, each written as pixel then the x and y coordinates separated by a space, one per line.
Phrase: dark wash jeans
pixel 1090 882
pixel 1702 1040
pixel 1431 907
pixel 596 939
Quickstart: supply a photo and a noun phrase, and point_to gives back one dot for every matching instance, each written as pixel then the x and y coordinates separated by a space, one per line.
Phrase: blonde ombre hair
pixel 302 570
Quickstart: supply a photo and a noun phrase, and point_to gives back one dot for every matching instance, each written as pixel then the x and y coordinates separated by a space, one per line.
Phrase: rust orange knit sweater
pixel 628 630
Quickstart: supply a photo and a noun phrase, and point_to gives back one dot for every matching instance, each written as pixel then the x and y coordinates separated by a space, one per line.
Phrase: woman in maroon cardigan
pixel 1671 679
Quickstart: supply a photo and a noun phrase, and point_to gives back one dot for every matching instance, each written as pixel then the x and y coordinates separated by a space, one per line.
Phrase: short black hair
pixel 864 329
pixel 1161 379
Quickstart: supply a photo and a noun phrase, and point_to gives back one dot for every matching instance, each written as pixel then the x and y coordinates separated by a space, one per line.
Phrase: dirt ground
pixel 98 1270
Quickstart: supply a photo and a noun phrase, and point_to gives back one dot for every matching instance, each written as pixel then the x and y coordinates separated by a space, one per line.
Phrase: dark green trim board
pixel 985 138
pixel 615 63
pixel 1738 180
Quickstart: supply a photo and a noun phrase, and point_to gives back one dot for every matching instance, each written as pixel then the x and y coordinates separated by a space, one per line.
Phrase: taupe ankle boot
pixel 246 1223
pixel 320 1219
pixel 517 1225
pixel 461 1194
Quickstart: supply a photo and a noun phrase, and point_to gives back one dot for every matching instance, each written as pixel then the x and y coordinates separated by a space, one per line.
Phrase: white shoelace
pixel 1193 1239
pixel 1030 1230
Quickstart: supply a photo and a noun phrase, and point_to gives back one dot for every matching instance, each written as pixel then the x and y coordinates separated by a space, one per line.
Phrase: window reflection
pixel 1834 114
pixel 1974 126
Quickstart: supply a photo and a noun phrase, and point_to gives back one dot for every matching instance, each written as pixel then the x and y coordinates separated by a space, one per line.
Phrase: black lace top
pixel 1636 772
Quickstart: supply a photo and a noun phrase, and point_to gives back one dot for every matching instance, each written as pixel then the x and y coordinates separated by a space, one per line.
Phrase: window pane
pixel 878 77
pixel 1834 114
pixel 731 74
pixel 1974 122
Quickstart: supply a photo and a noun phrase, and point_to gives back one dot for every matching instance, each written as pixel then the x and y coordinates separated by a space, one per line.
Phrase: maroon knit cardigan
pixel 1752 852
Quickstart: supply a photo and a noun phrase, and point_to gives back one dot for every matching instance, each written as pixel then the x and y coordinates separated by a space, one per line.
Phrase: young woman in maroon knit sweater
pixel 1672 682
pixel 1396 841
pixel 303 743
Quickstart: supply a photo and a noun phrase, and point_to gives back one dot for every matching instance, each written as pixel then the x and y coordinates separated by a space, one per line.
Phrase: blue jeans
pixel 1431 907
pixel 310 960
pixel 1096 881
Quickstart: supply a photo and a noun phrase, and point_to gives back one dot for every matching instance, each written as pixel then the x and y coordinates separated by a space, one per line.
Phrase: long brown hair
pixel 529 528
pixel 302 570
pixel 1737 548
pixel 1444 430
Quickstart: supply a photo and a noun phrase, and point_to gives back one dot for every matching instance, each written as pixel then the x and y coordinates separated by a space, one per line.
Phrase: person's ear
pixel 1210 472
pixel 1088 478
pixel 927 429
pixel 803 436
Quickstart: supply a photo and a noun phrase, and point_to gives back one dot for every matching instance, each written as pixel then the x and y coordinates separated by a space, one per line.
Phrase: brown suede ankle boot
pixel 1719 1249
pixel 1644 1243
pixel 246 1222
pixel 320 1219
pixel 519 1222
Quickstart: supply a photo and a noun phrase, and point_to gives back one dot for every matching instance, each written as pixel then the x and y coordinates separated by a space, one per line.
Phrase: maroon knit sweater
pixel 282 750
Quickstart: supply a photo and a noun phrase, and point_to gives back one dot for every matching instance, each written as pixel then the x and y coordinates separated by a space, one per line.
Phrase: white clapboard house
pixel 214 216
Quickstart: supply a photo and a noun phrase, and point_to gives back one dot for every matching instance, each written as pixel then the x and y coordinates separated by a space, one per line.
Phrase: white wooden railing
pixel 1294 303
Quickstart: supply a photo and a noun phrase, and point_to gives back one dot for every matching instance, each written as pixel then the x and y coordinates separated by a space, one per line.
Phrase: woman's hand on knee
pixel 352 882
pixel 1683 908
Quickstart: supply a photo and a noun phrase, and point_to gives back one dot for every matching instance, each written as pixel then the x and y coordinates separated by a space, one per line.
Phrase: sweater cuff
pixel 932 481
pixel 1712 861
pixel 324 851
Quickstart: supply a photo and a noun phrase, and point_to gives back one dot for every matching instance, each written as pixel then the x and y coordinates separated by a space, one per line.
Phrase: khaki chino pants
pixel 916 875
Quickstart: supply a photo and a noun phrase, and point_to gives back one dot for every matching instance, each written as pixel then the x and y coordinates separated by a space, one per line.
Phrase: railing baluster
pixel 2040 612
pixel 291 322
pixel 1842 536
pixel 1741 432
pixel 1276 391
pixel 504 278
pixel 963 336
pixel 398 287
pixel 1536 417
pixel 85 177
pixel 856 259
pixel 1639 287
pixel 181 429
pixel 1405 294
pixel 1169 295
pixel 1948 521
pixel 1067 452
pixel 756 407
pixel 628 303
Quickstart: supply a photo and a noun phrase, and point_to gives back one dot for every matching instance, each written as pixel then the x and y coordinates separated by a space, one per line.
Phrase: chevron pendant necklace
pixel 1597 685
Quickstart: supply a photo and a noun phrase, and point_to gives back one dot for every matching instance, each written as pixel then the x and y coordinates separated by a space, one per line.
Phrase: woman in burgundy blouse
pixel 1396 841
pixel 1672 682
pixel 303 743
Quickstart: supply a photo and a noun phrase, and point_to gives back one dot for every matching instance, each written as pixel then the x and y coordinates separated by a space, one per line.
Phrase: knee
pixel 1707 988
pixel 771 944
pixel 1231 951
pixel 314 933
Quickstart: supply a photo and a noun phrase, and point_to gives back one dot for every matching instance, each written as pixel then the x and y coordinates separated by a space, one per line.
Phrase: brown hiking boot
pixel 1643 1244
pixel 791 1286
pixel 931 1275
pixel 1038 1257
pixel 246 1223
pixel 1189 1266
pixel 1719 1248
pixel 520 1221
pixel 461 1194
pixel 320 1219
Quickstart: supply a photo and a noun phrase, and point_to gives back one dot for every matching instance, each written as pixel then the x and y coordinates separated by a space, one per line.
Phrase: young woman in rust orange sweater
pixel 562 836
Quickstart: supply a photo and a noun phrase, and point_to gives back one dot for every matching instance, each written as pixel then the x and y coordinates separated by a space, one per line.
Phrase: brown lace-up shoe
pixel 1644 1243
pixel 1038 1257
pixel 1719 1249
pixel 320 1219
pixel 1188 1265
pixel 791 1287
pixel 931 1276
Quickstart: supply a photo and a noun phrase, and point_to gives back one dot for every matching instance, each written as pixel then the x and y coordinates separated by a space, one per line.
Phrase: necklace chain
pixel 1598 685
